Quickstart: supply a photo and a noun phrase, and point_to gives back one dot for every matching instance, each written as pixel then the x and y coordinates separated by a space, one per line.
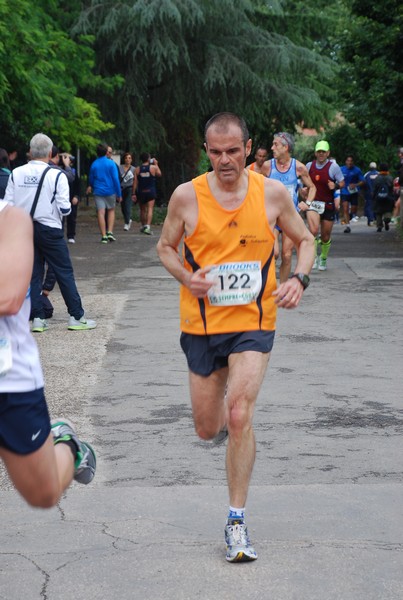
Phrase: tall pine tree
pixel 183 60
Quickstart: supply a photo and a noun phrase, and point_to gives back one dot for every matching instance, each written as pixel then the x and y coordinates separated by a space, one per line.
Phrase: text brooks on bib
pixel 234 283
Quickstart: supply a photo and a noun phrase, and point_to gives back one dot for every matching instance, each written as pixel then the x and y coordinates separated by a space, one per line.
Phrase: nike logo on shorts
pixel 35 435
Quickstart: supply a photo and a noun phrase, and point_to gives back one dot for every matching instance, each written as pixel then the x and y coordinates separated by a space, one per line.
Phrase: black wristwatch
pixel 303 279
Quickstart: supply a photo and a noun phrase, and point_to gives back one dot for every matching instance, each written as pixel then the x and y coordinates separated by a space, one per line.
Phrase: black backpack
pixel 382 190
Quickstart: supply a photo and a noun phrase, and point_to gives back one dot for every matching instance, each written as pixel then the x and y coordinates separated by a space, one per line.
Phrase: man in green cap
pixel 327 176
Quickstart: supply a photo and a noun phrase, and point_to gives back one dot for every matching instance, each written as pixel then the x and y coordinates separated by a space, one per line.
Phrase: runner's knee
pixel 286 256
pixel 46 497
pixel 207 431
pixel 240 418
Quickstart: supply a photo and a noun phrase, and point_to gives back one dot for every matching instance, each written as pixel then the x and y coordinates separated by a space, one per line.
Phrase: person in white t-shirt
pixel 49 244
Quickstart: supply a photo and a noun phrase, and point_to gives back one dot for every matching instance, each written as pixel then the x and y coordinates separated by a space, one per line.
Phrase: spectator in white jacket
pixel 43 192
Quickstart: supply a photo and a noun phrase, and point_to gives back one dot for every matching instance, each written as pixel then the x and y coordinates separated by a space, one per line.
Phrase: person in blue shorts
pixel 40 456
pixel 353 181
pixel 369 177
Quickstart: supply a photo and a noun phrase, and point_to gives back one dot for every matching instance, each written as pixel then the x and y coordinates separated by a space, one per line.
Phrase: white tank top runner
pixel 20 368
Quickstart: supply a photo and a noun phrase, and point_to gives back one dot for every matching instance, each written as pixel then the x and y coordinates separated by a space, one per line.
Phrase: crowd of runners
pixel 325 193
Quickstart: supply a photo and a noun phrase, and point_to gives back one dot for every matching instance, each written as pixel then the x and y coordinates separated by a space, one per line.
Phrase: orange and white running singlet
pixel 240 243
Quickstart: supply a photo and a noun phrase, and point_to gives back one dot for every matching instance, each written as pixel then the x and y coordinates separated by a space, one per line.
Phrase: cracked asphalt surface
pixel 324 509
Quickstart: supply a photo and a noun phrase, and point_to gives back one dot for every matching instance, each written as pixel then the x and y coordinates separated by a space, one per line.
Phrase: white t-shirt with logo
pixel 54 199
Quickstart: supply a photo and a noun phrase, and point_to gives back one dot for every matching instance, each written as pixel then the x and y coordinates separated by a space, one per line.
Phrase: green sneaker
pixel 110 236
pixel 86 462
pixel 104 239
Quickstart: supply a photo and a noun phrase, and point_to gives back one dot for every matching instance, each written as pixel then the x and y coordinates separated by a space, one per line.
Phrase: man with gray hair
pixel 288 170
pixel 43 192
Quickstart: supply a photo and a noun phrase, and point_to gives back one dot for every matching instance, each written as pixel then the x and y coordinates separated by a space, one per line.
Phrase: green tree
pixel 185 60
pixel 311 40
pixel 343 139
pixel 42 70
pixel 372 76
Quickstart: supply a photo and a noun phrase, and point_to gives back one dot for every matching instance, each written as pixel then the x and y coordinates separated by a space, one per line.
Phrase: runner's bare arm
pixel 17 252
pixel 155 169
pixel 266 168
pixel 280 208
pixel 181 217
pixel 309 185
pixel 294 227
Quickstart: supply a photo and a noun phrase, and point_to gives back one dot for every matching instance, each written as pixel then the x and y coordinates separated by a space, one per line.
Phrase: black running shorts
pixel 208 353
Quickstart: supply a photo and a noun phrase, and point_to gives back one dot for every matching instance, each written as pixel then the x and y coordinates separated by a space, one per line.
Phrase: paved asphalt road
pixel 325 504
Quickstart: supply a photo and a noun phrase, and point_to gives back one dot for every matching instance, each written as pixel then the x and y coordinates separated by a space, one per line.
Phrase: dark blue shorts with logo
pixel 24 421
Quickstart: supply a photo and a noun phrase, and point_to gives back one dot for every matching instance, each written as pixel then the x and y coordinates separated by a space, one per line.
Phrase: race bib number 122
pixel 234 283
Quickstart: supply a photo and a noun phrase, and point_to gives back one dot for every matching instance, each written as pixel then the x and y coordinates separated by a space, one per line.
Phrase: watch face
pixel 304 279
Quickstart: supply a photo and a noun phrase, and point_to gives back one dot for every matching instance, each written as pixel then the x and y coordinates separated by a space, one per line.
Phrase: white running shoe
pixel 239 548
